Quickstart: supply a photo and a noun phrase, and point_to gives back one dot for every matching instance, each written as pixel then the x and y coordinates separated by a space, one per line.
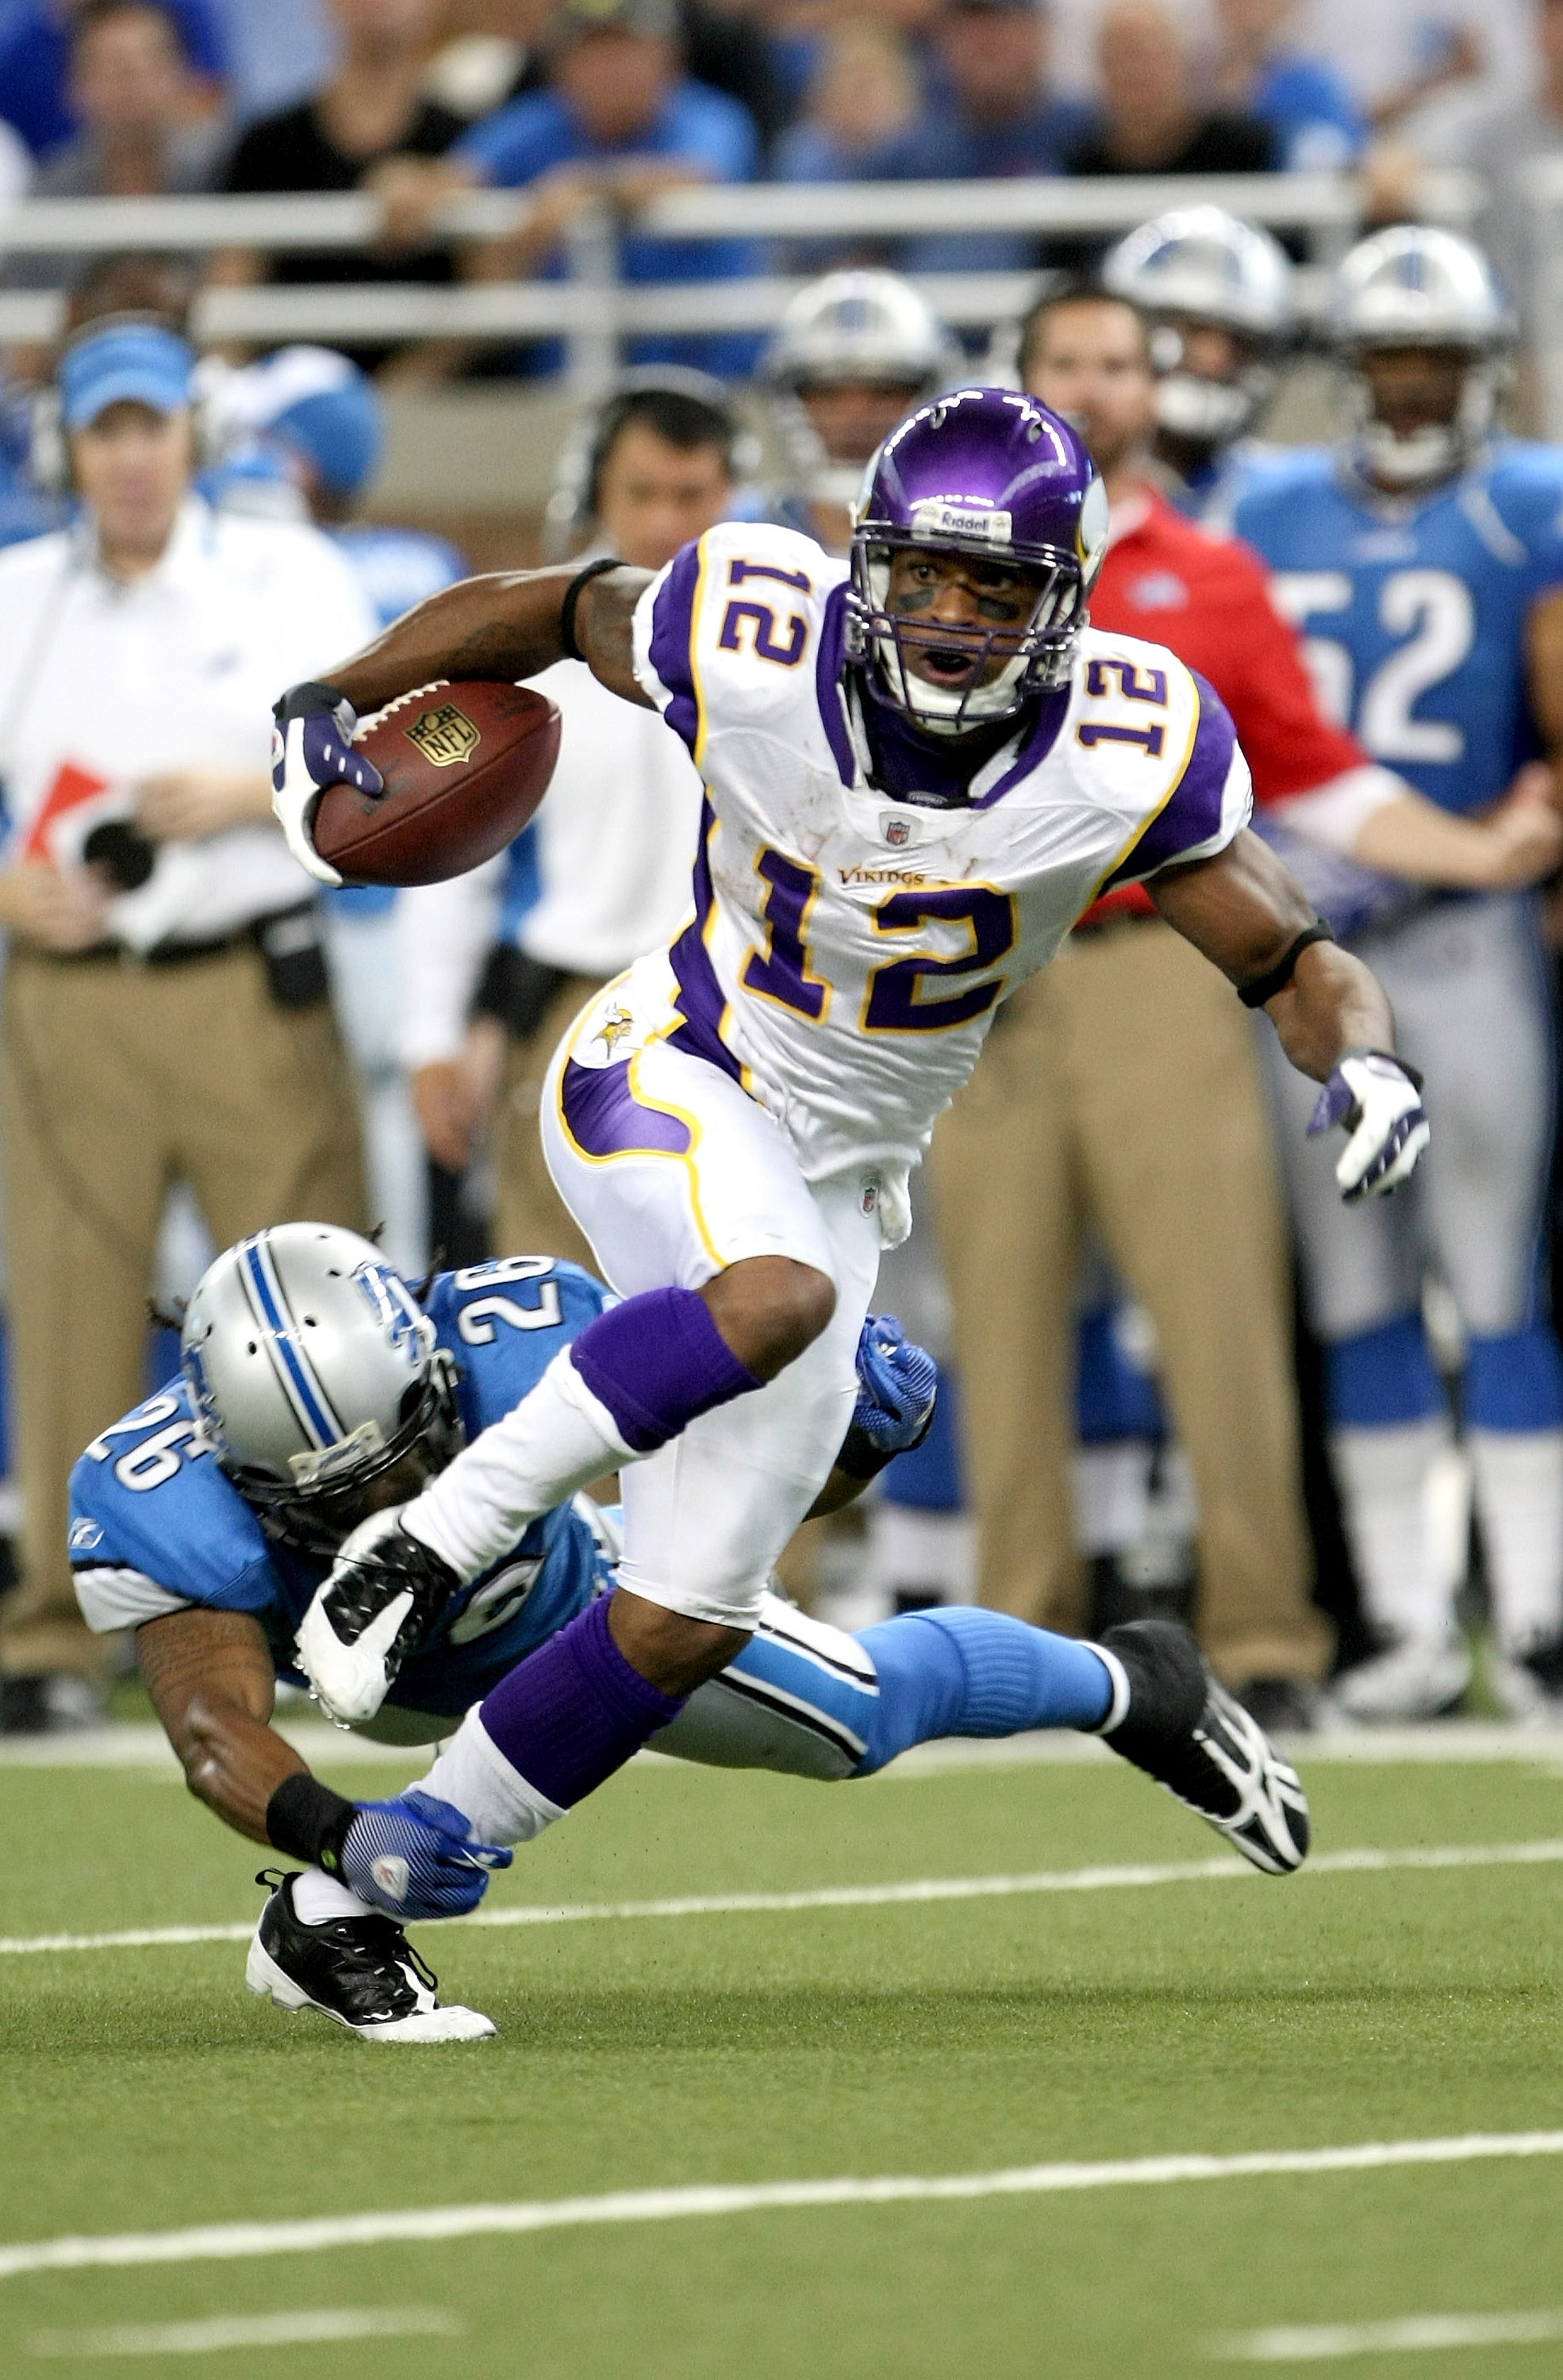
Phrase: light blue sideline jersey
pixel 155 1525
pixel 1412 609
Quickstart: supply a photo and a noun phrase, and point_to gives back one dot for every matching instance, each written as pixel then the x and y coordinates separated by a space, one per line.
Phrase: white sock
pixel 496 1801
pixel 1111 1495
pixel 1382 1475
pixel 318 1898
pixel 553 1442
pixel 1518 1484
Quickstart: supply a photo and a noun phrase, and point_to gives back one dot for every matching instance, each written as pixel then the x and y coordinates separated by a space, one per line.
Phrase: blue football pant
pixel 811 1701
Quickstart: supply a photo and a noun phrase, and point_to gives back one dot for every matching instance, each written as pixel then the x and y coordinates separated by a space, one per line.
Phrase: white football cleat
pixel 1420 1678
pixel 361 1971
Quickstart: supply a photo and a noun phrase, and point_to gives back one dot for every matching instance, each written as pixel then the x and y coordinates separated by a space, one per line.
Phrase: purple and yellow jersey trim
pixel 608 1115
pixel 672 650
pixel 1194 814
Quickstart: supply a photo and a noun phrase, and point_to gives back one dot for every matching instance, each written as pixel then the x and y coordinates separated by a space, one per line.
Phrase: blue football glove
pixel 1379 1099
pixel 897 1388
pixel 311 748
pixel 411 1857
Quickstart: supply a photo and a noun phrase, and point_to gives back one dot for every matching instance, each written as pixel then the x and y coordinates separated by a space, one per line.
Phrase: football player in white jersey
pixel 921 765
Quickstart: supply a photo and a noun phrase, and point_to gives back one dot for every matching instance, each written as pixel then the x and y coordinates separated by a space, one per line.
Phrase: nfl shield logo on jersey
pixel 897 832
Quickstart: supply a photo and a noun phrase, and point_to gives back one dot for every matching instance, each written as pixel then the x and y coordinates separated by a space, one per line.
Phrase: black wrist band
pixel 306 1819
pixel 307 701
pixel 1265 987
pixel 572 596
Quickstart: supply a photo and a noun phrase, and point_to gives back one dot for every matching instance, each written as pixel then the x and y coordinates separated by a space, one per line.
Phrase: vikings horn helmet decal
pixel 990 473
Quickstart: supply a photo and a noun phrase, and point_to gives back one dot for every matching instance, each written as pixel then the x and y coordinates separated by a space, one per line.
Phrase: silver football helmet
pixel 861 325
pixel 1200 264
pixel 315 1371
pixel 1416 286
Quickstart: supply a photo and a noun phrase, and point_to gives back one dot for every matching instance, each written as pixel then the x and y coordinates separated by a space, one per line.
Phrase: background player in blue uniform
pixel 1424 563
pixel 317 1388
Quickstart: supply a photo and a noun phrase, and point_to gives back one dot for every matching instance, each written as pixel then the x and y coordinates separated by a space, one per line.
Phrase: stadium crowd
pixel 1158 1396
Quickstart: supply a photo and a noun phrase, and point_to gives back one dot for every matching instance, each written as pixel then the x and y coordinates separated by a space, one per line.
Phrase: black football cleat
pixel 1185 1730
pixel 362 1972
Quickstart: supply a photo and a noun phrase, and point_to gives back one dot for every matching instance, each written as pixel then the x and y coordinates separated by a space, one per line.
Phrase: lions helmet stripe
pixel 300 1382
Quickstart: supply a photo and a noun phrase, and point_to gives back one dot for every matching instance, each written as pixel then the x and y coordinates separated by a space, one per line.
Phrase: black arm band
pixel 572 596
pixel 307 1821
pixel 1265 987
pixel 306 702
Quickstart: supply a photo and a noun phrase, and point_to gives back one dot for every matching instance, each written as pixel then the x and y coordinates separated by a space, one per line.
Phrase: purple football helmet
pixel 991 473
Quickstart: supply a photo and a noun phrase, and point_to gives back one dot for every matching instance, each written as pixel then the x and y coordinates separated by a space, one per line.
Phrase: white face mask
pixel 1214 412
pixel 1437 451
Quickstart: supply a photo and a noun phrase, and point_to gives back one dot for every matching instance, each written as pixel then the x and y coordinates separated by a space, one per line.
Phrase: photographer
pixel 164 1016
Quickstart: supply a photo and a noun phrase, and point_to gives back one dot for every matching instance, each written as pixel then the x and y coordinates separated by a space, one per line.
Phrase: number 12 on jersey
pixel 896 1000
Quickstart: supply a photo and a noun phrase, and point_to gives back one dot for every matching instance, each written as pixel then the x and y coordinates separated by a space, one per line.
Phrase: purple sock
pixel 656 1362
pixel 573 1711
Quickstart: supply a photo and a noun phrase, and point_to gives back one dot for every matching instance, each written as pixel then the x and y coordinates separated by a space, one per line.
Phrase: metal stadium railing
pixel 590 307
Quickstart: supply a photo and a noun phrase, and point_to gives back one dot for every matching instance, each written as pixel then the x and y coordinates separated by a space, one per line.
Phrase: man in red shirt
pixel 1121 1088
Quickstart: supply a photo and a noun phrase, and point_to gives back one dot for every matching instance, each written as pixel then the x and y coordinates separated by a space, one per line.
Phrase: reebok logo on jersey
pixel 84 1537
pixel 390 1872
pixel 936 517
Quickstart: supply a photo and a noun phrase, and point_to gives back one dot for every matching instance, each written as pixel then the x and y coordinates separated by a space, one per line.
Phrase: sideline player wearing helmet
pixel 1217 295
pixel 920 767
pixel 851 354
pixel 1423 563
pixel 316 1388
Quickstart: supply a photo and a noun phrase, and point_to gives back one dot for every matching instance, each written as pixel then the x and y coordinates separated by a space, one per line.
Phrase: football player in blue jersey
pixel 1424 562
pixel 316 1390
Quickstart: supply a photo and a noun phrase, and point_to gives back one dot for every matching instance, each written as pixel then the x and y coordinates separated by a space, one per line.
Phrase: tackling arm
pixel 212 1681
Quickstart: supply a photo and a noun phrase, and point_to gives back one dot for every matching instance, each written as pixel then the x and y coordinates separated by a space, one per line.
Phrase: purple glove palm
pixel 311 748
pixel 412 1858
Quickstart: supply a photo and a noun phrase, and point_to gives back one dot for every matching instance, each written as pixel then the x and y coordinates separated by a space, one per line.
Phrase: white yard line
pixel 1226 1868
pixel 143 1746
pixel 428 2223
pixel 1321 2342
pixel 323 2325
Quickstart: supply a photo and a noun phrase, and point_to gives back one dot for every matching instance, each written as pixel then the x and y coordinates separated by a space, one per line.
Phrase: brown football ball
pixel 465 763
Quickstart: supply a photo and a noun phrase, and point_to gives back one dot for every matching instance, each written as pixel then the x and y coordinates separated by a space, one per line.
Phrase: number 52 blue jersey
pixel 1412 609
pixel 154 1526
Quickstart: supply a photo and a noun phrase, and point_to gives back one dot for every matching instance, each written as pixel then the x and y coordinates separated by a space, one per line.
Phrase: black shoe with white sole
pixel 1185 1730
pixel 362 1970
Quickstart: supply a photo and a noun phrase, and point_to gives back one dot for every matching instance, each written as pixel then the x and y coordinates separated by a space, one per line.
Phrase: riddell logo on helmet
pixel 939 516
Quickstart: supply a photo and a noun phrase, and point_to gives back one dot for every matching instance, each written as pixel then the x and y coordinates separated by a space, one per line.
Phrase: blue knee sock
pixel 964 1672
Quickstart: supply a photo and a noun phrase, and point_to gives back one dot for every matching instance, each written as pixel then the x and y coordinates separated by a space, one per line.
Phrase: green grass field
pixel 144 2090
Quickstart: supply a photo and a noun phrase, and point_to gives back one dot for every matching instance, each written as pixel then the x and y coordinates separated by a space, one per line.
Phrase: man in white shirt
pixel 604 876
pixel 164 1016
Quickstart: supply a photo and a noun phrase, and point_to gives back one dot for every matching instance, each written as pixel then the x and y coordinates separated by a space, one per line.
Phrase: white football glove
pixel 386 1591
pixel 1379 1099
pixel 311 748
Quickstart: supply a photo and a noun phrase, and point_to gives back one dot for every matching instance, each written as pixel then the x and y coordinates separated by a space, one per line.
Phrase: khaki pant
pixel 115 1082
pixel 1120 1084
pixel 530 1218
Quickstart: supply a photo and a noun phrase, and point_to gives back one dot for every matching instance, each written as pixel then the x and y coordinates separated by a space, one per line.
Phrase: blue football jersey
pixel 1413 609
pixel 154 1524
